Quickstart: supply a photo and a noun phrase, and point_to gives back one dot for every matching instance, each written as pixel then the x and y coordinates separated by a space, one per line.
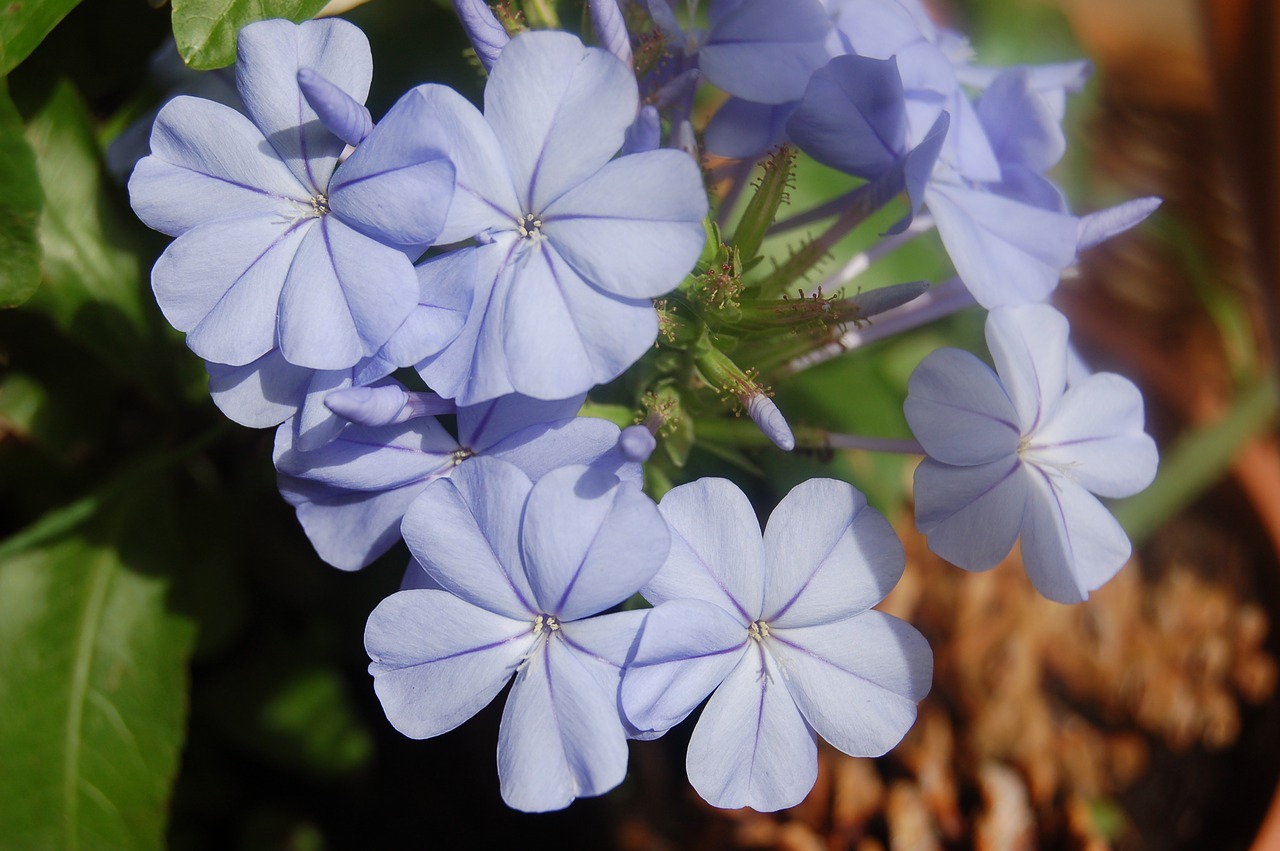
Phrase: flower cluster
pixel 422 306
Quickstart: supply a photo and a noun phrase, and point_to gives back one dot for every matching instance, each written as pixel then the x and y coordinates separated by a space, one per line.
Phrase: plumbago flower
pixel 780 628
pixel 526 569
pixel 279 245
pixel 1018 452
pixel 574 244
pixel 352 493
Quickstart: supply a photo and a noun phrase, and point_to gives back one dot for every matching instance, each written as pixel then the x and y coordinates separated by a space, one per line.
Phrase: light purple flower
pixel 1016 452
pixel 526 569
pixel 279 245
pixel 574 243
pixel 352 493
pixel 779 627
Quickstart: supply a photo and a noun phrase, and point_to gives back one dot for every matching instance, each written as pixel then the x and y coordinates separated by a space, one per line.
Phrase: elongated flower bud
pixel 345 117
pixel 486 34
pixel 379 406
pixel 611 29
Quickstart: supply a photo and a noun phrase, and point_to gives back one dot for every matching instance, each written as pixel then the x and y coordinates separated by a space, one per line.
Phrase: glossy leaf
pixel 93 680
pixel 24 25
pixel 20 202
pixel 206 29
pixel 95 285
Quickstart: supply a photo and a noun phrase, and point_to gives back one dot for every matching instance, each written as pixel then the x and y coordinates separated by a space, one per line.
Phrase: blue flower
pixel 574 244
pixel 277 243
pixel 352 493
pixel 1016 452
pixel 526 569
pixel 780 628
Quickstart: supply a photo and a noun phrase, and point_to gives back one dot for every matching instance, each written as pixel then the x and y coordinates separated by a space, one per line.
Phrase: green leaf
pixel 206 30
pixel 20 201
pixel 95 288
pixel 93 680
pixel 24 24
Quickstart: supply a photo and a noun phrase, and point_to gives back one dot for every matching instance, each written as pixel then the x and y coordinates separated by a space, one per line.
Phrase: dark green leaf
pixel 20 201
pixel 206 29
pixel 92 691
pixel 95 287
pixel 24 24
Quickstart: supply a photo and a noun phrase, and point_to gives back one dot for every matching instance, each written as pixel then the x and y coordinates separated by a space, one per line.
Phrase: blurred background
pixel 178 669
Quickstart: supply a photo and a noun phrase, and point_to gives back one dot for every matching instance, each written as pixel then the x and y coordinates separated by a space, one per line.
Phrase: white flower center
pixel 758 631
pixel 530 227
pixel 545 623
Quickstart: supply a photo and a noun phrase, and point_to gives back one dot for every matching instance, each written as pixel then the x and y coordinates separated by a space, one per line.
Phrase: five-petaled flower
pixel 278 245
pixel 1018 452
pixel 527 569
pixel 780 628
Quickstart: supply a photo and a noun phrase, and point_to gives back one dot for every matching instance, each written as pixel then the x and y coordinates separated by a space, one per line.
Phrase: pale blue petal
pixel 751 746
pixel 1021 126
pixel 635 227
pixel 416 578
pixel 1004 251
pixel 1104 224
pixel 398 185
pixel 438 660
pixel 971 515
pixel 345 296
pixel 743 129
pixel 208 162
pixel 1071 544
pixel 561 736
pixel 857 681
pixel 481 426
pixel 716 551
pixel 352 493
pixel 539 449
pixel 221 283
pixel 445 290
pixel 561 336
pixel 484 195
pixel 589 542
pixel 604 642
pixel 315 425
pixel 1029 346
pixel 686 648
pixel 967 147
pixel 349 529
pixel 466 532
pixel 346 118
pixel 959 411
pixel 853 116
pixel 828 554
pixel 645 133
pixel 261 394
pixel 269 55
pixel 764 51
pixel 371 458
pixel 1094 437
pixel 560 111
pixel 472 368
